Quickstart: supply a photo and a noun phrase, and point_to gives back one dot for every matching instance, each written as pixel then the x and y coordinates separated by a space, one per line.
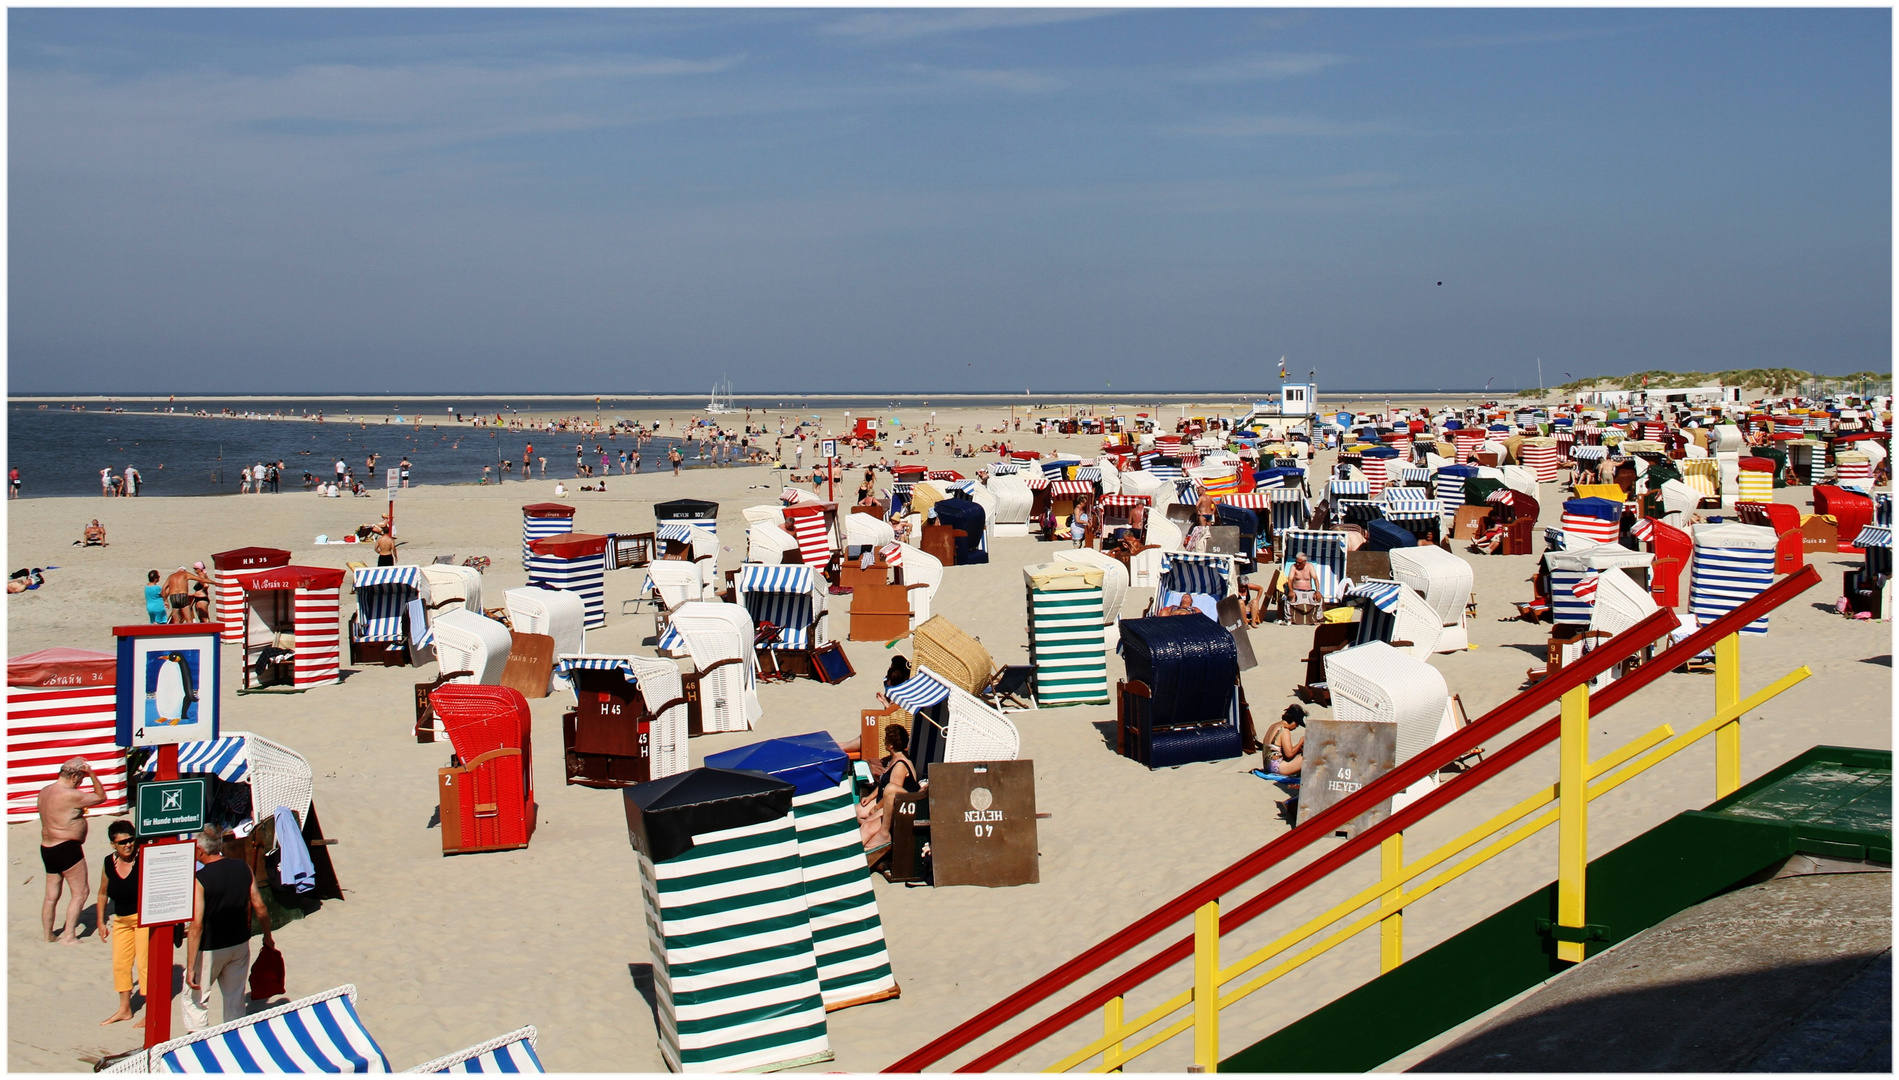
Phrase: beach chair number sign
pixel 168 679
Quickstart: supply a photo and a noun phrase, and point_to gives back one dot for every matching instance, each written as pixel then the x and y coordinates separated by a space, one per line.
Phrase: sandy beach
pixel 446 952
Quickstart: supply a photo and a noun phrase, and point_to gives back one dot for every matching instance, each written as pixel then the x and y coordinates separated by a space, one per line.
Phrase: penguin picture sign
pixel 168 677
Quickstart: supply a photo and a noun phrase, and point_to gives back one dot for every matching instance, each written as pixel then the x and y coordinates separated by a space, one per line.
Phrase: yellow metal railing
pixel 1579 781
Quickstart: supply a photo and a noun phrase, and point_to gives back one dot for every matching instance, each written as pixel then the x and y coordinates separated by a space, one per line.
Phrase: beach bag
pixel 267 974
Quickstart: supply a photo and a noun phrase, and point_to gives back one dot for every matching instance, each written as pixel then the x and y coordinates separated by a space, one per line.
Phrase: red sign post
pixel 157 978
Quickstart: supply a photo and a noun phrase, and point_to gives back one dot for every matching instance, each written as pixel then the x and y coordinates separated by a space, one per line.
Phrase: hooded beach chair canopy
pixel 382 597
pixel 510 1053
pixel 791 598
pixel 1375 682
pixel 319 1033
pixel 278 775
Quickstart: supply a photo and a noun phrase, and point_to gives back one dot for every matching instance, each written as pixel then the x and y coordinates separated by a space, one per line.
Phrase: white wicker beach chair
pixel 1417 622
pixel 1375 682
pixel 661 686
pixel 1114 587
pixel 1013 502
pixel 1445 581
pixel 1163 536
pixel 867 530
pixel 719 639
pixel 453 583
pixel 919 567
pixel 559 615
pixel 465 641
pixel 976 731
pixel 1620 602
pixel 770 514
pixel 278 775
pixel 768 543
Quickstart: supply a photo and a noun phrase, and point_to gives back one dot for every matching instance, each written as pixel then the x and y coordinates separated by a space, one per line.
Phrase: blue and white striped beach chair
pixel 1325 553
pixel 1203 576
pixel 791 598
pixel 386 607
pixel 319 1033
pixel 1732 564
pixel 510 1053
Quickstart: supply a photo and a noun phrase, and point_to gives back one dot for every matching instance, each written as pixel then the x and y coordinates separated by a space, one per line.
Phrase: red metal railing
pixel 1487 728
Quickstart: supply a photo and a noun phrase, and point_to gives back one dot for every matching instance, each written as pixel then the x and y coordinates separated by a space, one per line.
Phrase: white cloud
pixel 877 27
pixel 1021 82
pixel 1265 66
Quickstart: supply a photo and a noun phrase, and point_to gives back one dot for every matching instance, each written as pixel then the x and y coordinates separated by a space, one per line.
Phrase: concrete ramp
pixel 1792 974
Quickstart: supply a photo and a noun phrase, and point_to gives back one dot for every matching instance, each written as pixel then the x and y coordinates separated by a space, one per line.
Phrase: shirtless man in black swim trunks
pixel 63 804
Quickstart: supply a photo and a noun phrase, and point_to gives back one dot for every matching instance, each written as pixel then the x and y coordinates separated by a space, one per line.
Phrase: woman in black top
pixel 896 774
pixel 118 883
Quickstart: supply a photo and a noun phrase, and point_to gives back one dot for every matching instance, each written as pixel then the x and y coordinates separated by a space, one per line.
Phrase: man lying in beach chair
pixel 93 535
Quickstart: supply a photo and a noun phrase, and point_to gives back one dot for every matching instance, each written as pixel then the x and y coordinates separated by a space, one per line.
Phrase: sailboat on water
pixel 721 401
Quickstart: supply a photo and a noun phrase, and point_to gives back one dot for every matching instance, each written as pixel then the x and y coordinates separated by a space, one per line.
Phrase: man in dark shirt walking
pixel 218 944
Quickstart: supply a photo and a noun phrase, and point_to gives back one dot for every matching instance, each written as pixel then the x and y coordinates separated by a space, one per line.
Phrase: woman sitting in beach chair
pixel 895 776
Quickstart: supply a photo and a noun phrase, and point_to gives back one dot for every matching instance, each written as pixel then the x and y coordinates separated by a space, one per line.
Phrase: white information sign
pixel 827 448
pixel 167 883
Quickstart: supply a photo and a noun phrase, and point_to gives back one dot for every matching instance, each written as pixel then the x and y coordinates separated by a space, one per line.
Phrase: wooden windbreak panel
pixel 1343 756
pixel 879 612
pixel 530 665
pixel 1470 522
pixel 940 541
pixel 982 823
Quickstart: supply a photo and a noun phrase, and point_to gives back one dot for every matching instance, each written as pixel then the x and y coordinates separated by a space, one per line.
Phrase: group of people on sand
pixel 217 940
pixel 182 597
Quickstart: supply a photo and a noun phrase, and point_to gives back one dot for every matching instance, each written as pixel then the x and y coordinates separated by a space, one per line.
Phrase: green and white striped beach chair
pixel 846 930
pixel 735 973
pixel 1067 643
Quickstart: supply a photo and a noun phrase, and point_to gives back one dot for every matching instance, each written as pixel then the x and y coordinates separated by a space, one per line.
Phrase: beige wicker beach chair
pixel 955 657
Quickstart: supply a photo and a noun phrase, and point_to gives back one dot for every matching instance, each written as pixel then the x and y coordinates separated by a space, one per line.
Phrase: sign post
pixel 828 447
pixel 169 676
pixel 389 484
pixel 167 897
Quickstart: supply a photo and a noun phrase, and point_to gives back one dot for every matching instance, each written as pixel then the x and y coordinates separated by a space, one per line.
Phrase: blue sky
pixel 933 200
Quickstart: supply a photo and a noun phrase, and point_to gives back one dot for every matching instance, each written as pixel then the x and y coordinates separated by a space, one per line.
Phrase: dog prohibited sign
pixel 170 807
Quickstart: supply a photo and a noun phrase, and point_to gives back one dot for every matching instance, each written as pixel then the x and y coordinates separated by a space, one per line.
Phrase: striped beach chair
pixel 791 598
pixel 384 615
pixel 1448 484
pixel 1067 643
pixel 846 930
pixel 814 536
pixel 1337 489
pixel 735 973
pixel 1732 564
pixel 539 520
pixel 575 563
pixel 1396 613
pixel 1598 521
pixel 61 704
pixel 719 638
pixel 1324 551
pixel 510 1053
pixel 319 1033
pixel 1413 508
pixel 953 724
